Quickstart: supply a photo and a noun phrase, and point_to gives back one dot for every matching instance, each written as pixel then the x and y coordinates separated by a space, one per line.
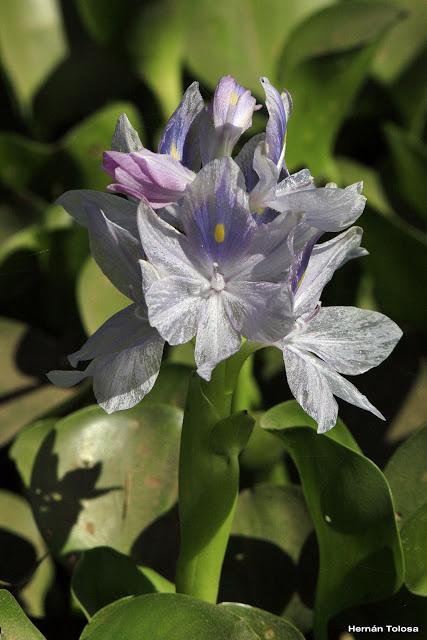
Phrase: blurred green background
pixel 356 72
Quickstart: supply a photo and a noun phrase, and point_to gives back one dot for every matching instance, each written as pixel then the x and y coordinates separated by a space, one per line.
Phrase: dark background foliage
pixel 356 72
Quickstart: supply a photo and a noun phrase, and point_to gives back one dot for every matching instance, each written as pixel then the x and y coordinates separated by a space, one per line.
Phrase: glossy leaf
pixel 98 479
pixel 265 624
pixel 32 43
pixel 242 38
pixel 406 472
pixel 266 560
pixel 23 396
pixel 350 503
pixel 171 616
pixel 97 298
pixel 14 623
pixel 23 564
pixel 103 575
pixel 323 65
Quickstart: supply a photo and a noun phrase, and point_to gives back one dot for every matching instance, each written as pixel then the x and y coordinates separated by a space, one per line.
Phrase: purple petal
pixel 177 140
pixel 245 160
pixel 300 262
pixel 157 177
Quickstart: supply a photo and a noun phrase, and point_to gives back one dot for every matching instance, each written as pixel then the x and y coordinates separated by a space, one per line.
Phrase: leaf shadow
pixel 157 546
pixel 58 502
pixel 259 573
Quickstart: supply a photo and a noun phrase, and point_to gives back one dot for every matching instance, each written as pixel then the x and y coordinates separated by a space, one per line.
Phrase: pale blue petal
pixel 350 340
pixel 118 210
pixel 325 259
pixel 125 138
pixel 216 338
pixel 116 252
pixel 163 245
pixel 325 209
pixel 125 355
pixel 174 305
pixel 314 383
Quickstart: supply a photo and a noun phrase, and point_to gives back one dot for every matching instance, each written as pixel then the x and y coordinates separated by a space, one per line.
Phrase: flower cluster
pixel 220 249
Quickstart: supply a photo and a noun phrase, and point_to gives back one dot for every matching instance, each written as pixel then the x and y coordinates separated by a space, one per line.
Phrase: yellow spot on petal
pixel 260 210
pixel 301 279
pixel 174 151
pixel 219 233
pixel 234 98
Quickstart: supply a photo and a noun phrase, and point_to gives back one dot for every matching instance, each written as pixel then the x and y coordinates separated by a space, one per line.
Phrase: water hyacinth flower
pixel 218 249
pixel 327 342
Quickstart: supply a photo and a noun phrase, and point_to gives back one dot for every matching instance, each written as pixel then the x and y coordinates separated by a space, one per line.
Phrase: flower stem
pixel 209 477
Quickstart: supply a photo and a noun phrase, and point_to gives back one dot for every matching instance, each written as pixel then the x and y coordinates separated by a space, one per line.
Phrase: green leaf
pixel 171 616
pixel 406 472
pixel 409 157
pixel 104 21
pixel 414 410
pixel 98 479
pixel 14 623
pixel 25 355
pixel 270 528
pixel 350 503
pixel 156 45
pixel 24 448
pixel 242 37
pixel 32 44
pixel 41 172
pixel 262 450
pixel 171 386
pixel 103 575
pixel 396 262
pixel 247 394
pixel 265 624
pixel 403 42
pixel 23 160
pixel 229 436
pixel 410 94
pixel 21 550
pixel 85 144
pixel 394 268
pixel 323 65
pixel 97 298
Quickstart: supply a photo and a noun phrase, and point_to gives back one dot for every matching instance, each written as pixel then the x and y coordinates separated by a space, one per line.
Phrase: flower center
pixel 217 280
